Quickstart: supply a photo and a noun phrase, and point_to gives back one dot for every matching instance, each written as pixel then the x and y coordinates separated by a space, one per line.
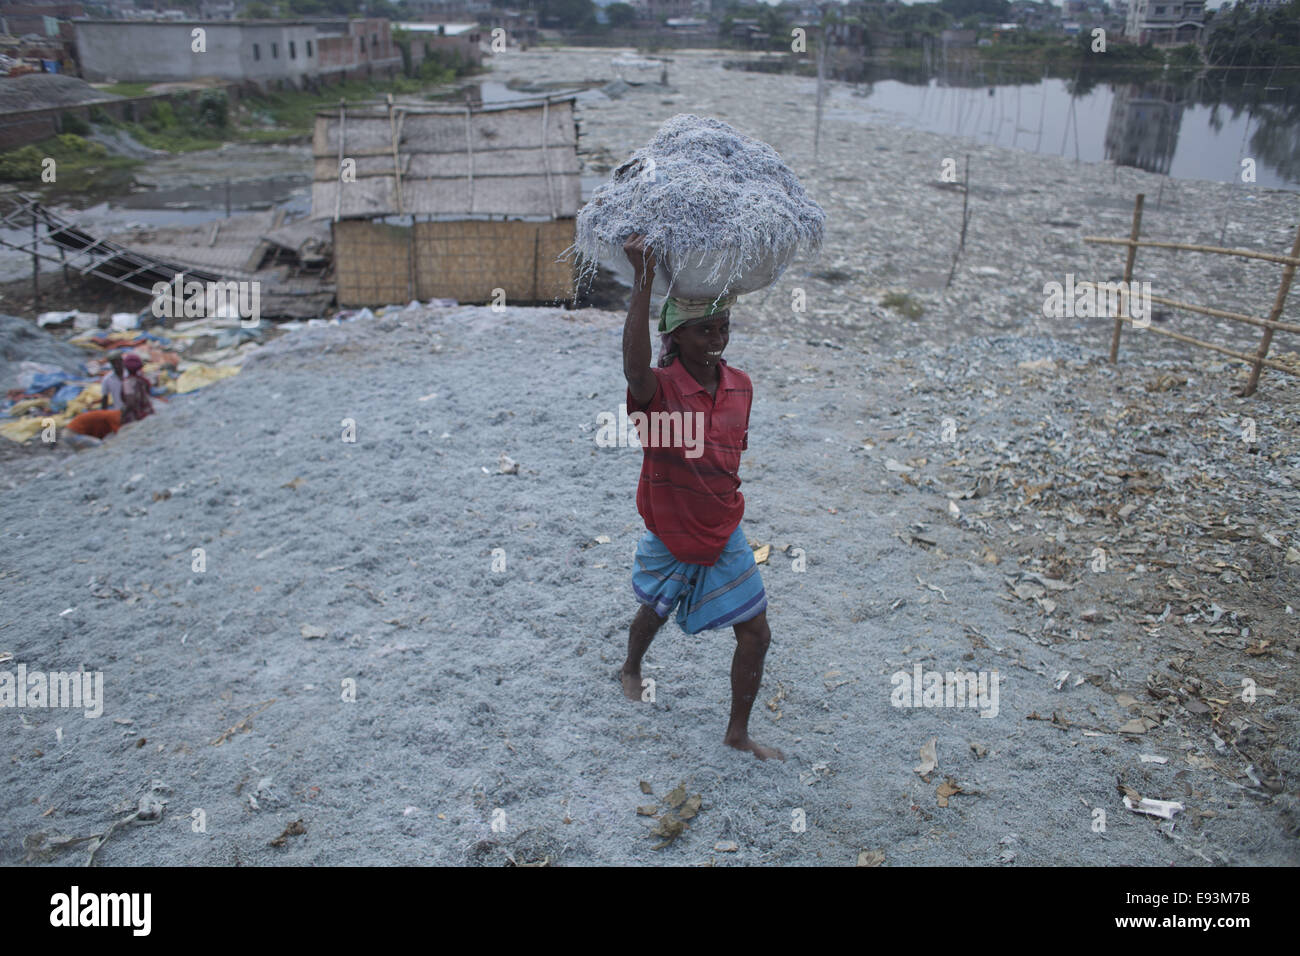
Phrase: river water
pixel 1168 122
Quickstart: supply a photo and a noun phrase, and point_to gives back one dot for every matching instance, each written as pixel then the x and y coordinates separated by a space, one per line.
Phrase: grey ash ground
pixel 479 691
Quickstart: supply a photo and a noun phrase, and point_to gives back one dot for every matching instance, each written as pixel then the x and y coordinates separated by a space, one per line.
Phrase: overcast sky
pixel 1209 5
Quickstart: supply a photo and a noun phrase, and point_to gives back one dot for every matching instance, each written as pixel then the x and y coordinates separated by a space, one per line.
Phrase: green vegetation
pixel 205 122
pixel 620 15
pixel 1261 38
pixel 77 161
pixel 182 128
pixel 576 15
pixel 903 304
pixel 294 9
pixel 127 89
pixel 72 123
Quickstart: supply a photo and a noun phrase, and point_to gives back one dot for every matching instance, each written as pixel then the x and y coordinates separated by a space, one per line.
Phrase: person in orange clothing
pixel 97 424
pixel 92 427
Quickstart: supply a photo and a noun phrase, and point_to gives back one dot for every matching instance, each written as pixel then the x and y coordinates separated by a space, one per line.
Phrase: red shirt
pixel 689 489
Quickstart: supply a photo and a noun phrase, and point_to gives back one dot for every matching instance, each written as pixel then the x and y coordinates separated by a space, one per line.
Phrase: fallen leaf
pixel 649 810
pixel 761 554
pixel 871 857
pixel 947 789
pixel 293 829
pixel 295 484
pixel 929 759
pixel 646 788
pixel 310 631
pixel 726 846
pixel 691 807
pixel 676 796
pixel 670 828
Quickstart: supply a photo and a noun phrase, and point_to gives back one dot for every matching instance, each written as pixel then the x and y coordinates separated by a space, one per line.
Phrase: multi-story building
pixel 464 39
pixel 284 51
pixel 1165 21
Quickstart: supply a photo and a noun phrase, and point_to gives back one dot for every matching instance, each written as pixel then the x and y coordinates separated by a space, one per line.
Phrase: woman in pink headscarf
pixel 135 390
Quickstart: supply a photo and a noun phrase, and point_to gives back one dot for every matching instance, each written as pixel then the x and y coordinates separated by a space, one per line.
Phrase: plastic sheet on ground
pixel 199 376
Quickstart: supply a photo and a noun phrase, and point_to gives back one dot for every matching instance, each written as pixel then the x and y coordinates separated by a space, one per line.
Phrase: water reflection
pixel 1143 127
pixel 1183 123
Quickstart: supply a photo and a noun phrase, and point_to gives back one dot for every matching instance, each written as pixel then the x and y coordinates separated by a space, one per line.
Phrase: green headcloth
pixel 678 310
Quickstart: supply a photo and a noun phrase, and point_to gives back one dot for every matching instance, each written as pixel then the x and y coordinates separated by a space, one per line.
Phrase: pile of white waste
pixel 720 211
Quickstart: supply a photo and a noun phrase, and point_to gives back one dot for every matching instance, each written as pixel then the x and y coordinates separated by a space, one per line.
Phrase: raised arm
pixel 641 381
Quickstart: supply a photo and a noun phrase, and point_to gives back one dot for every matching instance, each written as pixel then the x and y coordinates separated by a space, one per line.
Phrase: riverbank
pixel 165 118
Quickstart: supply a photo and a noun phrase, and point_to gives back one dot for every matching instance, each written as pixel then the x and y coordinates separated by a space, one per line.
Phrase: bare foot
pixel 631 684
pixel 758 750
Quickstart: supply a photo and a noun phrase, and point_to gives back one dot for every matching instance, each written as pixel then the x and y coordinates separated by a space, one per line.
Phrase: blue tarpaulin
pixel 64 395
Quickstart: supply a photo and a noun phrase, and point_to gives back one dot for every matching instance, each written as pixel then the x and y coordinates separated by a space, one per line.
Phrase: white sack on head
pixel 720 210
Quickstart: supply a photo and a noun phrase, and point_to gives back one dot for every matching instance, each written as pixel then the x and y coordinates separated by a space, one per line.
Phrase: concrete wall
pixel 134 51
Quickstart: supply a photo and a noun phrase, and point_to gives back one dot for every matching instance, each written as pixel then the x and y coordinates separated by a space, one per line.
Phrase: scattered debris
pixel 947 789
pixel 244 725
pixel 1165 809
pixel 929 759
pixel 293 829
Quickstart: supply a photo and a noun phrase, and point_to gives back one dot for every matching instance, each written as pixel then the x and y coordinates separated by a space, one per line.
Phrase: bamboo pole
pixel 397 162
pixel 1278 302
pixel 1241 356
pixel 36 259
pixel 338 196
pixel 1207 310
pixel 1221 314
pixel 961 243
pixel 1188 247
pixel 537 242
pixel 1128 276
pixel 469 152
